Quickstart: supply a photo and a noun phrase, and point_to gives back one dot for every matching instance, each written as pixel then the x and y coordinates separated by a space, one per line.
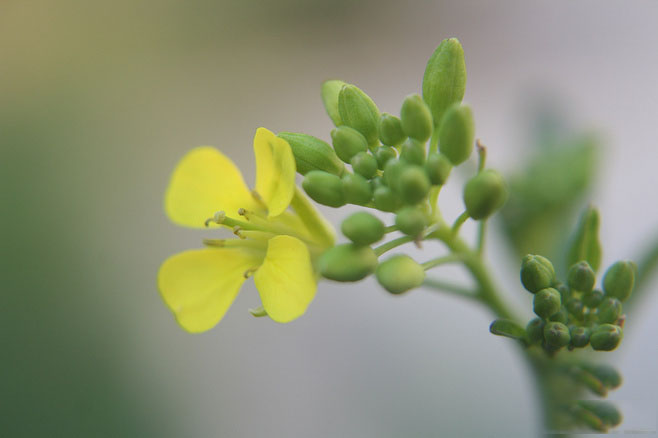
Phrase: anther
pixel 238 232
pixel 217 218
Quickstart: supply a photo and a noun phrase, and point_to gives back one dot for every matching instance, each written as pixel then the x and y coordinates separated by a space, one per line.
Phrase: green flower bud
pixel 605 411
pixel 392 171
pixel 546 302
pixel 364 164
pixel 579 336
pixel 362 228
pixel 605 373
pixel 385 199
pixel 330 91
pixel 605 337
pixel 413 152
pixel 376 183
pixel 535 330
pixel 556 334
pixel 581 277
pixel 537 273
pixel 444 81
pixel 565 293
pixel 576 308
pixel 324 188
pixel 400 273
pixel 609 310
pixel 312 154
pixel 383 155
pixel 411 221
pixel 560 316
pixel 593 299
pixel 357 189
pixel 438 168
pixel 619 280
pixel 485 193
pixel 358 111
pixel 416 118
pixel 390 130
pixel 347 262
pixel 412 184
pixel 348 142
pixel 457 134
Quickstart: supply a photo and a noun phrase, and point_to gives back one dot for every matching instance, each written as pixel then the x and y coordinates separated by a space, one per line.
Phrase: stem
pixel 459 222
pixel 482 231
pixel 392 244
pixel 449 287
pixel 441 261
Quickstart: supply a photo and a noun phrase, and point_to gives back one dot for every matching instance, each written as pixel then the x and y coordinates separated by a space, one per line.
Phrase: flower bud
pixel 357 189
pixel 609 310
pixel 457 134
pixel 556 334
pixel 581 277
pixel 348 142
pixel 444 81
pixel 560 316
pixel 364 164
pixel 358 111
pixel 330 91
pixel 576 308
pixel 377 182
pixel 383 155
pixel 485 193
pixel 535 330
pixel 390 130
pixel 385 199
pixel 416 118
pixel 619 280
pixel 605 337
pixel 400 273
pixel 537 273
pixel 347 262
pixel 413 152
pixel 392 171
pixel 438 168
pixel 579 336
pixel 362 228
pixel 603 410
pixel 311 153
pixel 593 299
pixel 324 188
pixel 565 293
pixel 411 221
pixel 546 302
pixel 412 184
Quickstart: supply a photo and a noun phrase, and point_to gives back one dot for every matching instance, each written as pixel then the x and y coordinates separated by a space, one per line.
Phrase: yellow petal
pixel 285 280
pixel 275 171
pixel 200 285
pixel 205 181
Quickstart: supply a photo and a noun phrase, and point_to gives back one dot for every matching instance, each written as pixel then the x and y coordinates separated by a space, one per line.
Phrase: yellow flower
pixel 275 245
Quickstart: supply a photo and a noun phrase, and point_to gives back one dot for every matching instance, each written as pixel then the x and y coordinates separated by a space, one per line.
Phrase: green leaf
pixel 507 328
pixel 585 244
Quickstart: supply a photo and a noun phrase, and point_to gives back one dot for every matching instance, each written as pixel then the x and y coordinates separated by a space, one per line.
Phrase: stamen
pixel 218 243
pixel 217 218
pixel 238 232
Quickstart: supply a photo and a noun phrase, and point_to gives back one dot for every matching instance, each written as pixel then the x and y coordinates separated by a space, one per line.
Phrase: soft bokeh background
pixel 98 101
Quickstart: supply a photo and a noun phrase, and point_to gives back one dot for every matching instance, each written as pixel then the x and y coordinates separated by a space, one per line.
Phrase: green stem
pixel 459 222
pixel 449 287
pixel 392 244
pixel 482 232
pixel 441 261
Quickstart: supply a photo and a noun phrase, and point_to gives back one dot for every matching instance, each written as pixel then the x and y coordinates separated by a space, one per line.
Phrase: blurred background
pixel 99 100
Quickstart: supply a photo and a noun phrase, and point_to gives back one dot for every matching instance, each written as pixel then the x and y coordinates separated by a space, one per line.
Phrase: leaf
pixel 507 328
pixel 585 244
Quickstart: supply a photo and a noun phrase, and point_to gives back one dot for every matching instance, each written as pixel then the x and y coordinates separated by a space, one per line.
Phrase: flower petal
pixel 285 280
pixel 275 171
pixel 204 182
pixel 200 285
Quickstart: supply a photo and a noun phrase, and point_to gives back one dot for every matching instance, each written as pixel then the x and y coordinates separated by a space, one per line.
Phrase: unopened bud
pixel 609 310
pixel 392 171
pixel 582 277
pixel 348 142
pixel 444 81
pixel 330 91
pixel 576 308
pixel 619 280
pixel 358 111
pixel 390 130
pixel 312 154
pixel 556 334
pixel 537 273
pixel 485 193
pixel 362 228
pixel 546 302
pixel 411 221
pixel 413 152
pixel 605 337
pixel 324 188
pixel 438 168
pixel 561 315
pixel 535 330
pixel 383 155
pixel 412 184
pixel 357 189
pixel 347 262
pixel 579 336
pixel 400 273
pixel 593 299
pixel 364 164
pixel 385 199
pixel 457 134
pixel 416 118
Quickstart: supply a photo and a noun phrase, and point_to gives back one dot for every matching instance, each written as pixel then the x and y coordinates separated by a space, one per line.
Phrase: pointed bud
pixel 412 184
pixel 582 277
pixel 358 111
pixel 609 310
pixel 324 188
pixel 413 152
pixel 399 274
pixel 348 142
pixel 364 164
pixel 546 302
pixel 362 228
pixel 411 221
pixel 535 330
pixel 579 336
pixel 330 91
pixel 347 262
pixel 457 134
pixel 390 130
pixel 383 155
pixel 593 299
pixel 357 189
pixel 385 199
pixel 438 168
pixel 556 334
pixel 416 118
pixel 619 280
pixel 484 194
pixel 606 337
pixel 537 273
pixel 312 154
pixel 444 81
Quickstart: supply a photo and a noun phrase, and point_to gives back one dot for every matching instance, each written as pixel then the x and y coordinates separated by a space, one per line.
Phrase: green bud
pixel 507 328
pixel 358 111
pixel 390 130
pixel 376 183
pixel 392 171
pixel 485 193
pixel 385 199
pixel 411 221
pixel 311 153
pixel 560 316
pixel 348 142
pixel 438 168
pixel 364 164
pixel 412 184
pixel 609 310
pixel 535 330
pixel 565 293
pixel 537 273
pixel 330 91
pixel 593 299
pixel 357 189
pixel 582 277
pixel 605 373
pixel 399 274
pixel 413 152
pixel 444 81
pixel 579 336
pixel 324 188
pixel 605 337
pixel 362 228
pixel 416 118
pixel 585 244
pixel 619 280
pixel 383 155
pixel 546 302
pixel 604 410
pixel 347 262
pixel 576 308
pixel 556 334
pixel 457 134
